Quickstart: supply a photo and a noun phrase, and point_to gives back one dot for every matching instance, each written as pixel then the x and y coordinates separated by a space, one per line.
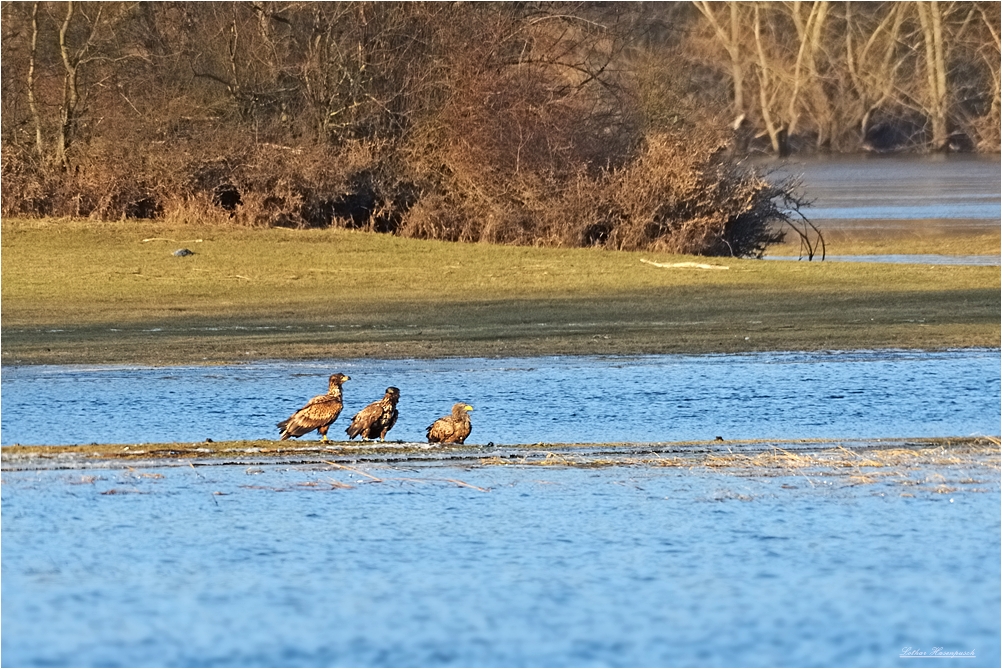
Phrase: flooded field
pixel 275 565
pixel 904 194
pixel 622 551
pixel 830 395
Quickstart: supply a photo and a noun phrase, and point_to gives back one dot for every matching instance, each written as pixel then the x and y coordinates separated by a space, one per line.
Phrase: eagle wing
pixel 390 421
pixel 461 430
pixel 448 430
pixel 434 431
pixel 441 430
pixel 364 420
pixel 320 411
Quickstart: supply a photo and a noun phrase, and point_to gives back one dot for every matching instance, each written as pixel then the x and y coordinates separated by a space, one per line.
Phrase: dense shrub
pixel 526 130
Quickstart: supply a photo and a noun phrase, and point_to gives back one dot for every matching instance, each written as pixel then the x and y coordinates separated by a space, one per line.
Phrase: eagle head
pixel 337 379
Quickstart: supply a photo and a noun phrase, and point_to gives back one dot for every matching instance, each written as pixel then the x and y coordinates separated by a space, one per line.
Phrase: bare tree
pixel 990 53
pixel 727 29
pixel 32 104
pixel 872 62
pixel 805 69
pixel 72 60
pixel 828 69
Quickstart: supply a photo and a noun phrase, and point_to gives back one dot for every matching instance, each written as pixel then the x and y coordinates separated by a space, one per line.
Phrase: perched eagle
pixel 452 429
pixel 318 414
pixel 376 419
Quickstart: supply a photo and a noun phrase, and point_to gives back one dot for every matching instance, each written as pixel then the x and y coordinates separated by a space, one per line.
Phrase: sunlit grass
pixel 97 292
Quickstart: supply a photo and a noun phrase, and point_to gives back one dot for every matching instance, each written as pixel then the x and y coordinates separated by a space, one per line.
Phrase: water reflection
pixel 526 400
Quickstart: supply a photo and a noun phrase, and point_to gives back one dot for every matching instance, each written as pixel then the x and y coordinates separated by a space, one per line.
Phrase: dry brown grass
pixel 926 466
pixel 939 465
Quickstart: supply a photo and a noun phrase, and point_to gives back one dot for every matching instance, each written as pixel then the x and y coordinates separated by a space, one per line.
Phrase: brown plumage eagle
pixel 375 420
pixel 452 429
pixel 318 414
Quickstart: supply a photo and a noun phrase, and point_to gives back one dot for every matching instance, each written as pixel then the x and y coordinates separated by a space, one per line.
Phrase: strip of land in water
pixel 931 465
pixel 87 292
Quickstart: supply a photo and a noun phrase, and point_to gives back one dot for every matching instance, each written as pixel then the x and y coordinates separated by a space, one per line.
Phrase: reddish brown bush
pixel 482 122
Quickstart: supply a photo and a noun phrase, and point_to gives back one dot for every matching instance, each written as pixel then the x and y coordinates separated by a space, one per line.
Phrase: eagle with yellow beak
pixel 453 429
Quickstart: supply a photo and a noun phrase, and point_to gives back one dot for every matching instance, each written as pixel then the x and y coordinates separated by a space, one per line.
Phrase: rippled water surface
pixel 274 566
pixel 526 400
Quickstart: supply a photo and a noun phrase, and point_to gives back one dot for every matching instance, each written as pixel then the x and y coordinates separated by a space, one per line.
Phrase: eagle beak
pixel 468 408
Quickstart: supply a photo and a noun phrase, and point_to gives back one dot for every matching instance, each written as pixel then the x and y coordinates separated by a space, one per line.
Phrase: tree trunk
pixel 992 58
pixel 731 41
pixel 935 67
pixel 809 35
pixel 39 145
pixel 778 135
pixel 67 112
pixel 737 71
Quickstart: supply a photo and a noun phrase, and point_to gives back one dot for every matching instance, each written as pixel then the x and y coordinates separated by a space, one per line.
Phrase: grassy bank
pixel 84 292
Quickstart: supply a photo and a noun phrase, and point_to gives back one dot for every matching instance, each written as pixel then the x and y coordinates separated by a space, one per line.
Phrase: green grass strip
pixel 85 292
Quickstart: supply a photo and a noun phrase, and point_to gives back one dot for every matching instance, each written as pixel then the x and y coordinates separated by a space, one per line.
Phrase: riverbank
pixel 86 292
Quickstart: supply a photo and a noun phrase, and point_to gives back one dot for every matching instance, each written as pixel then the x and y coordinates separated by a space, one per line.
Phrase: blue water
pixel 905 191
pixel 911 258
pixel 271 566
pixel 859 394
pixel 965 210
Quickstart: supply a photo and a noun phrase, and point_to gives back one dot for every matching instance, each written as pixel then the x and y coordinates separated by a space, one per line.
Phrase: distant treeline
pixel 616 124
